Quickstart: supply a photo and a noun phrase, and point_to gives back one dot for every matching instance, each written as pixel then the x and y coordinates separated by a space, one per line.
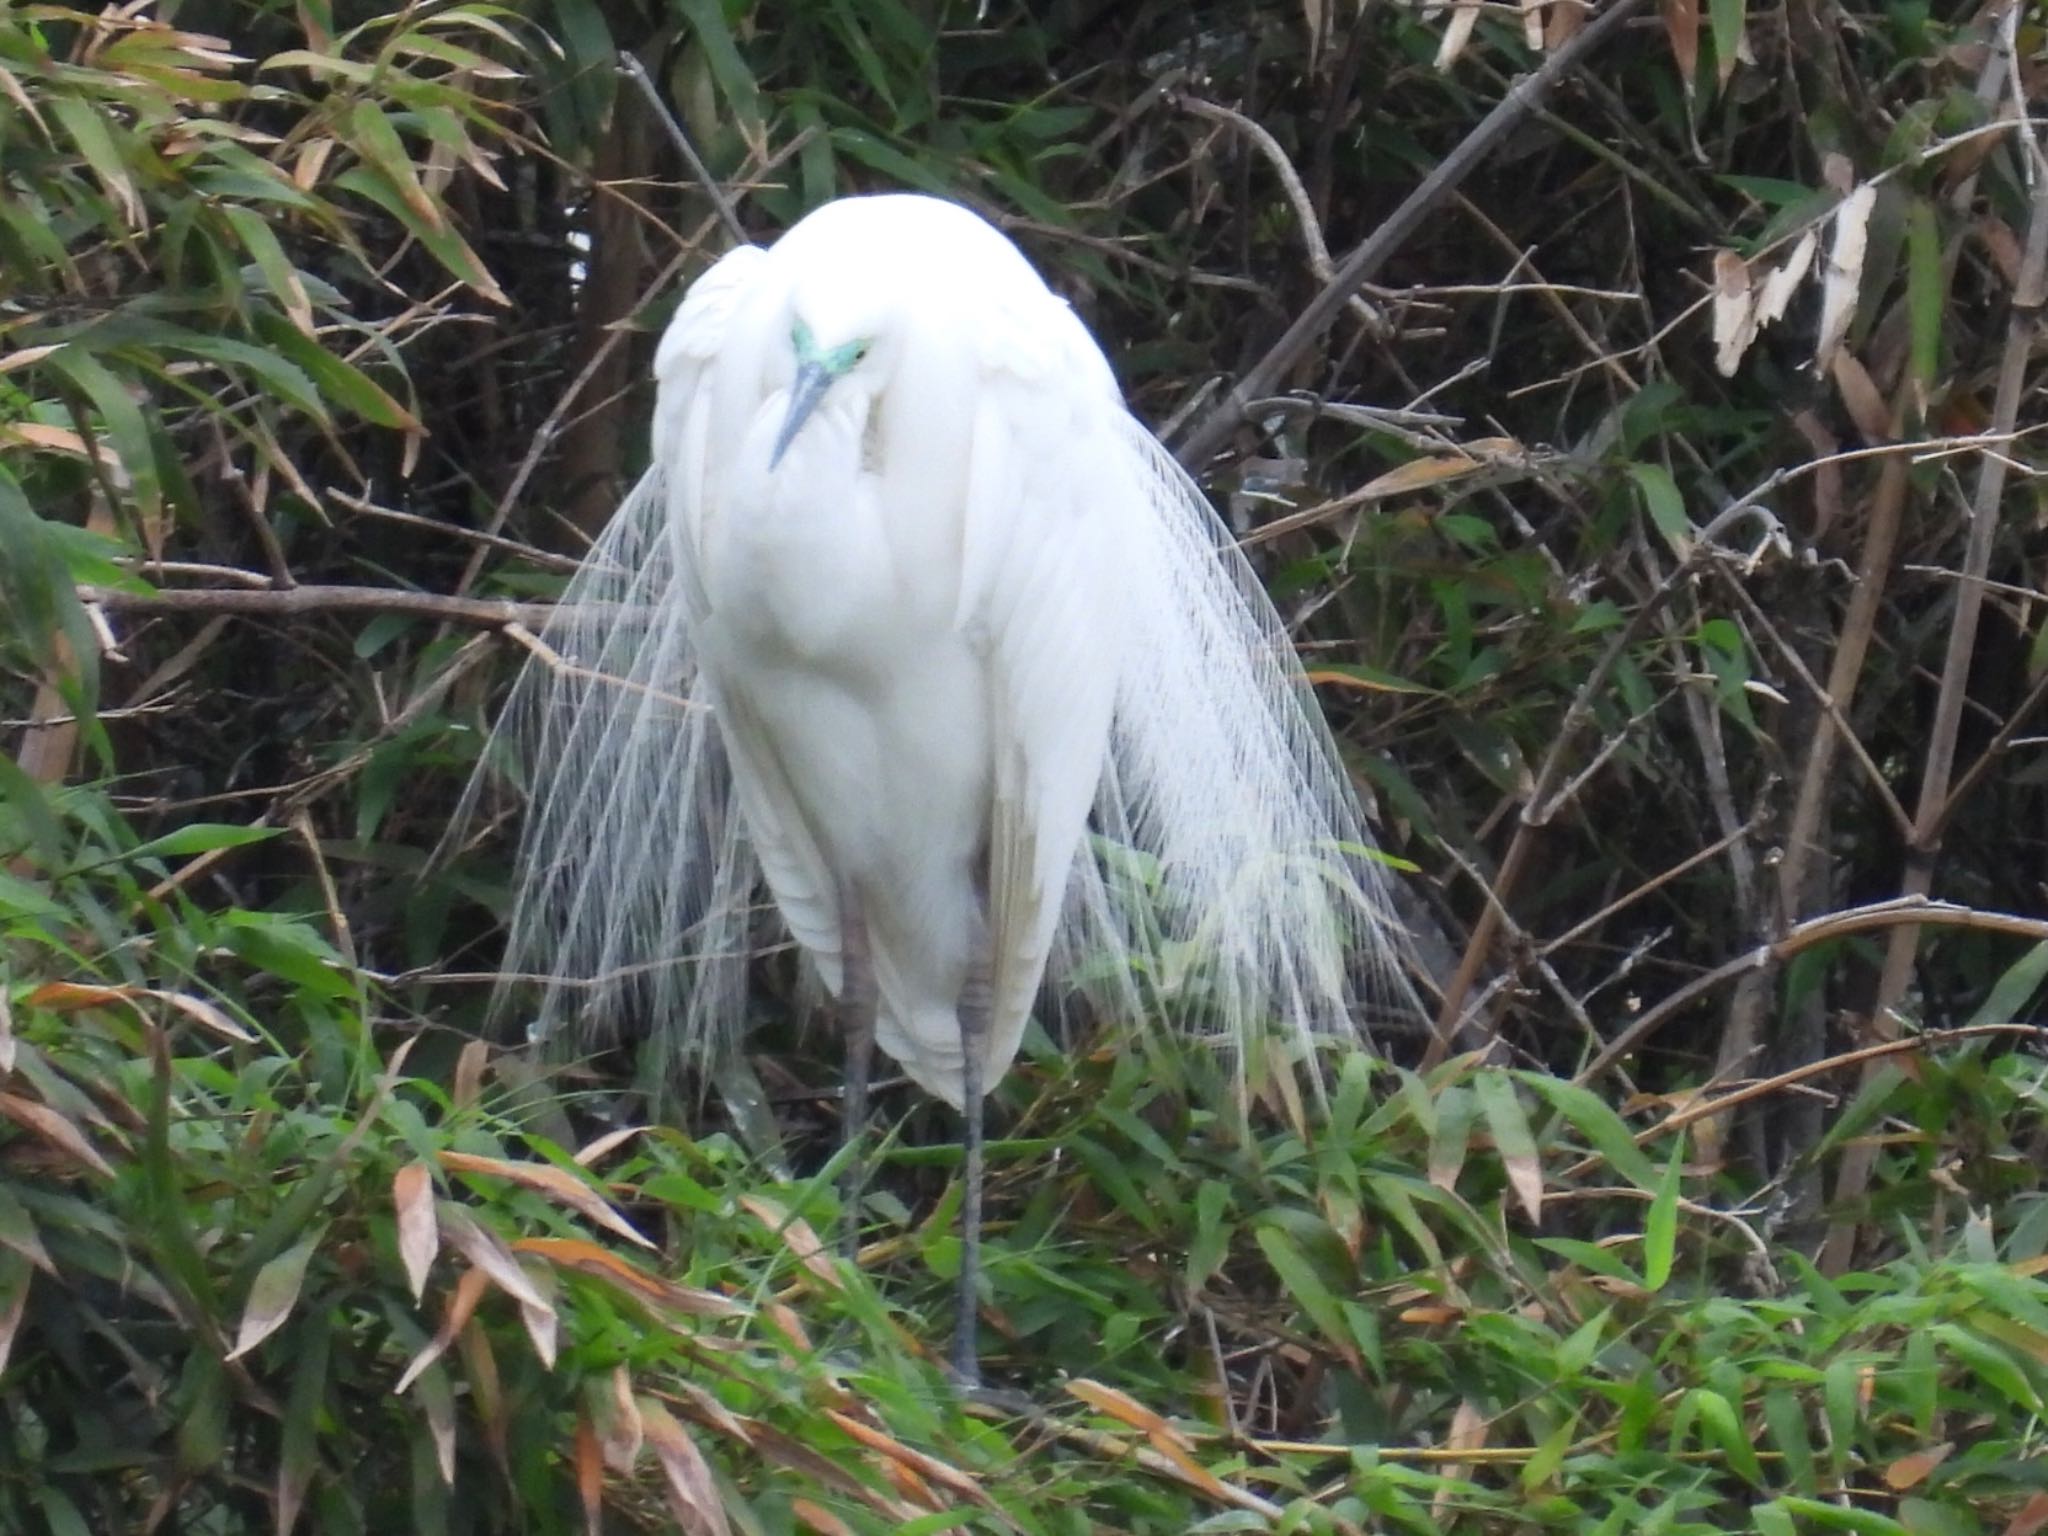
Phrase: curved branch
pixel 1263 377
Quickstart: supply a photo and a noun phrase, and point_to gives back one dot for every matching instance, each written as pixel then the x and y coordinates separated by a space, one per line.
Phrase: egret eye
pixel 843 358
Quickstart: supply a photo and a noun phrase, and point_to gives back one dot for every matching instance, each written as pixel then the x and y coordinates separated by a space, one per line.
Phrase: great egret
pixel 906 602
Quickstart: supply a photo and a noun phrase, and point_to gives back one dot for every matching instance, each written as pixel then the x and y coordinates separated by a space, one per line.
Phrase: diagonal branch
pixel 1263 377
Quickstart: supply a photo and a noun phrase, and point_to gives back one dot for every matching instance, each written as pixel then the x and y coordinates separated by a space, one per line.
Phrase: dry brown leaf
pixel 2033 1516
pixel 487 1253
pixel 1323 678
pixel 205 1014
pixel 53 1128
pixel 1861 397
pixel 1467 1433
pixel 1842 273
pixel 789 1325
pixel 930 1467
pixel 1567 20
pixel 419 1235
pixel 462 1302
pixel 1126 1409
pixel 1173 1446
pixel 469 1074
pixel 2002 246
pixel 595 1151
pixel 1532 24
pixel 588 1258
pixel 1428 1316
pixel 1775 296
pixel 52 439
pixel 1682 28
pixel 590 1478
pixel 1525 1177
pixel 1457 33
pixel 692 1494
pixel 1436 468
pixel 617 1420
pixel 540 1317
pixel 816 1519
pixel 797 1235
pixel 69 996
pixel 1734 312
pixel 1911 1470
pixel 557 1184
pixel 711 1414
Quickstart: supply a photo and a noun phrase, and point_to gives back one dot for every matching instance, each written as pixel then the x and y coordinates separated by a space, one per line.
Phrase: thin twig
pixel 488 613
pixel 1264 376
pixel 2030 293
pixel 1819 930
pixel 631 67
pixel 1319 262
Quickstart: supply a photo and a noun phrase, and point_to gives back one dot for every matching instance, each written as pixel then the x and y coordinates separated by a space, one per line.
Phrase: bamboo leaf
pixel 419 1234
pixel 273 1295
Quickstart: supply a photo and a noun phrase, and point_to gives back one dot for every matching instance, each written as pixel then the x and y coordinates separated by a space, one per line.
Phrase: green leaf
pixel 446 246
pixel 121 419
pixel 721 53
pixel 2015 988
pixel 1926 290
pixel 1786 1418
pixel 290 950
pixel 298 1456
pixel 1841 1397
pixel 273 1295
pixel 201 837
pixel 1452 1138
pixel 1723 1426
pixel 1302 1282
pixel 1661 499
pixel 341 382
pixel 372 136
pixel 1728 18
pixel 1512 1137
pixel 1660 1229
pixel 90 131
pixel 1590 1116
pixel 1577 1351
pixel 24 797
pixel 1212 1234
pixel 265 368
pixel 260 241
pixel 1843 1517
pixel 1991 1364
pixel 38 597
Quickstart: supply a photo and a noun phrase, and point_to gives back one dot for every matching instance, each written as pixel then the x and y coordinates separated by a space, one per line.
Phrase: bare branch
pixel 1264 376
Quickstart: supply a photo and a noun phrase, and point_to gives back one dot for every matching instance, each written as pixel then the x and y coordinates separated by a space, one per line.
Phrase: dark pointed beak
pixel 812 380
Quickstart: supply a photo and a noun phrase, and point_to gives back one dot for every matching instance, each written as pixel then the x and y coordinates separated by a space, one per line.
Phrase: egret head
pixel 818 368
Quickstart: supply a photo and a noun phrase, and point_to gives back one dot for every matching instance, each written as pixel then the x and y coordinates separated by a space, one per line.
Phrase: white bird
pixel 905 605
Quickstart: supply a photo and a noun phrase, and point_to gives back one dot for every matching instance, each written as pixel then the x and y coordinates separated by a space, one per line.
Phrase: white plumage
pixel 894 644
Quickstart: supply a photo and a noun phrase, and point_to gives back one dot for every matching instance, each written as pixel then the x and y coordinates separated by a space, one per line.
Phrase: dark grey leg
pixel 857 1002
pixel 976 1003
